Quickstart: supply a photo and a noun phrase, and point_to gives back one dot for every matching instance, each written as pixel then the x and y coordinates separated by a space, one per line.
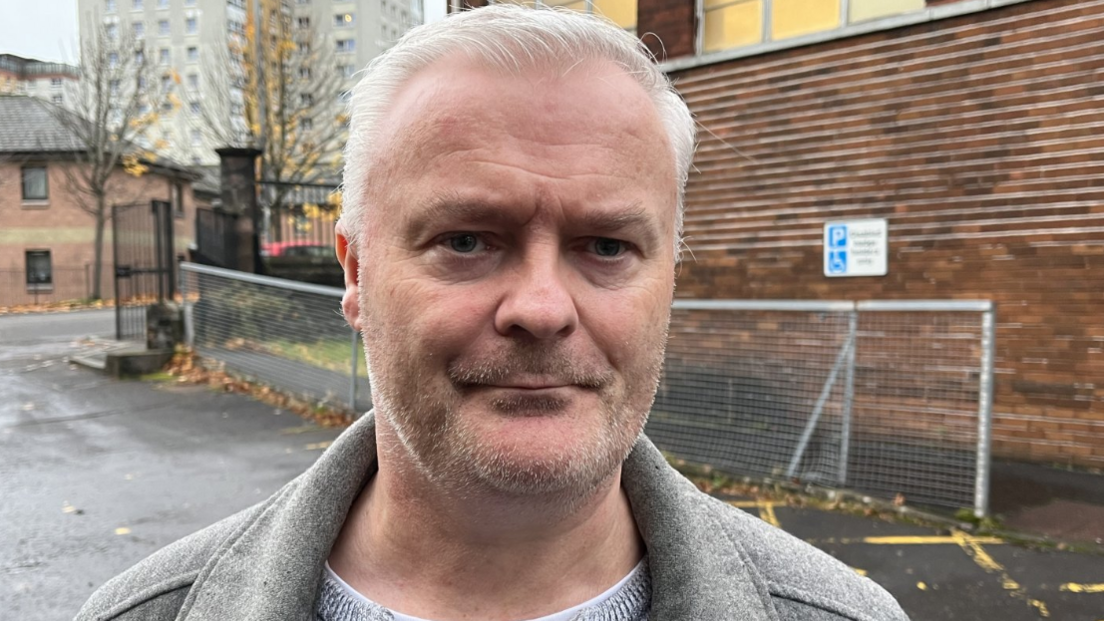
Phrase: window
pixel 40 274
pixel 55 82
pixel 34 183
pixel 193 54
pixel 165 56
pixel 196 137
pixel 113 59
pixel 189 2
pixel 194 107
pixel 302 1
pixel 166 106
pixel 139 57
pixel 176 198
pixel 305 73
pixel 139 29
pixel 110 6
pixel 166 82
pixel 306 99
pixel 56 99
pixel 162 4
pixel 346 71
pixel 190 25
pixel 304 48
pixel 141 82
pixel 163 27
pixel 143 108
pixel 304 22
pixel 306 124
pixel 346 45
pixel 112 31
pixel 137 5
pixel 114 86
pixel 342 20
pixel 193 81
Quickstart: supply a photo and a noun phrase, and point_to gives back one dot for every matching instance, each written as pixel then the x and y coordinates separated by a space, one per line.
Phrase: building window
pixel 113 59
pixel 177 200
pixel 304 73
pixel 110 6
pixel 162 4
pixel 197 138
pixel 194 107
pixel 304 48
pixel 346 45
pixel 342 20
pixel 56 99
pixel 40 272
pixel 164 56
pixel 166 82
pixel 306 124
pixel 137 5
pixel 191 25
pixel 189 2
pixel 304 22
pixel 114 86
pixel 346 71
pixel 302 1
pixel 139 29
pixel 193 81
pixel 55 82
pixel 139 57
pixel 34 183
pixel 163 27
pixel 306 99
pixel 193 54
pixel 112 31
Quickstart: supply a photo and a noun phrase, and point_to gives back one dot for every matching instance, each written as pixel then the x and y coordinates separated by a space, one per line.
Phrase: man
pixel 513 204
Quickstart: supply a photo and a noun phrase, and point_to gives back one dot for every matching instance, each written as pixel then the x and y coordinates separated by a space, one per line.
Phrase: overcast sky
pixel 47 29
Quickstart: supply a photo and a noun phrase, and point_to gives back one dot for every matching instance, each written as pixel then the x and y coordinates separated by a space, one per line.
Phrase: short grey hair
pixel 509 38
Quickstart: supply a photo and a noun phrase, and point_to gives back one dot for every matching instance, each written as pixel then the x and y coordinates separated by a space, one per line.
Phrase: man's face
pixel 517 272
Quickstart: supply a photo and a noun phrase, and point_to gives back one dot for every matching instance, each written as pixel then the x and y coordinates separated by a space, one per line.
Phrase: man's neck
pixel 436 554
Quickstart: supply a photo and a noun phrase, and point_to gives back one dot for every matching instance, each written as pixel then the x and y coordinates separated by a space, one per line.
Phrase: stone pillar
pixel 238 180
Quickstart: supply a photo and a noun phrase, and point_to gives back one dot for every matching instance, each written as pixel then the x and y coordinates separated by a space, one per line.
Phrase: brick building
pixel 972 126
pixel 46 239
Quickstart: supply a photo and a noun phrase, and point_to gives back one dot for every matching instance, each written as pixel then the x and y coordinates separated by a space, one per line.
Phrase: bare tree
pixel 281 95
pixel 120 95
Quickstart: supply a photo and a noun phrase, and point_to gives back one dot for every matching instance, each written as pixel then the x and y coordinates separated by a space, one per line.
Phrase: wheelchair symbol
pixel 837 262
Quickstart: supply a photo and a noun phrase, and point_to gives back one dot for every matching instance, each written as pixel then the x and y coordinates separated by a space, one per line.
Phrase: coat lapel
pixel 270 570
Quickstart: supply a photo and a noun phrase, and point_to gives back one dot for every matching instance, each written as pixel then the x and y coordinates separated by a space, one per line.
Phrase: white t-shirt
pixel 564 615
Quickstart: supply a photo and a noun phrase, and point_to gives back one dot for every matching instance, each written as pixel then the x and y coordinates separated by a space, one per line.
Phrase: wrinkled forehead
pixel 458 103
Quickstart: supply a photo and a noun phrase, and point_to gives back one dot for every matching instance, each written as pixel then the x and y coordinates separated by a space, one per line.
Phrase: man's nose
pixel 538 300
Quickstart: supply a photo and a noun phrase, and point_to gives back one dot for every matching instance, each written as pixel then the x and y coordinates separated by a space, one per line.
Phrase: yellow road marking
pixel 766 512
pixel 972 547
pixel 861 572
pixel 123 530
pixel 905 540
pixel 1073 587
pixel 921 586
pixel 745 504
pixel 317 446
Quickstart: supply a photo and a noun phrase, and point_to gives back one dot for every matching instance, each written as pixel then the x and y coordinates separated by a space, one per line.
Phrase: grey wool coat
pixel 708 560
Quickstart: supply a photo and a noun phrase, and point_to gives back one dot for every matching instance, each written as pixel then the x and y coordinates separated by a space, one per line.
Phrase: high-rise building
pixel 44 80
pixel 191 39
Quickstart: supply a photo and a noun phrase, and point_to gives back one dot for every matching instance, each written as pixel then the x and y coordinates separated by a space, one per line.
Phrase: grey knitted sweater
pixel 630 603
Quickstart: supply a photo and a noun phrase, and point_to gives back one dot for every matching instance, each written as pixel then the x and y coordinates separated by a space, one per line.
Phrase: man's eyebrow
pixel 453 208
pixel 634 218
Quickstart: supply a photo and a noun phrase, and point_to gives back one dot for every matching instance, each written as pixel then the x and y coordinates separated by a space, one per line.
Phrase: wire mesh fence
pixel 885 398
pixel 282 333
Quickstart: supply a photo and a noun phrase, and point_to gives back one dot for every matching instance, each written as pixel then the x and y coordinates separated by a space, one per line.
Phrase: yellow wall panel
pixel 621 12
pixel 732 26
pixel 792 18
pixel 862 10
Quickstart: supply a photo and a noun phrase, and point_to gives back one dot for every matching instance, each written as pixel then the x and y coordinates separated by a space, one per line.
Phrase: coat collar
pixel 271 568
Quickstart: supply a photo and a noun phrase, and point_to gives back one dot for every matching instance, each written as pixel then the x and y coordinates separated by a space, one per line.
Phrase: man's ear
pixel 346 254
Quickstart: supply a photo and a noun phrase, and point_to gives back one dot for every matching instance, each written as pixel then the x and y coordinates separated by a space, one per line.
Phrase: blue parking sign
pixel 837 237
pixel 837 262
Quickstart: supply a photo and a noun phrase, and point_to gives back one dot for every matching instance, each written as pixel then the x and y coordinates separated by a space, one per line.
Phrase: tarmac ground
pixel 97 473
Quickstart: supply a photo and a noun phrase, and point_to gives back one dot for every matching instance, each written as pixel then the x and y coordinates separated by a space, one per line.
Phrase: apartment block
pixel 45 80
pixel 191 37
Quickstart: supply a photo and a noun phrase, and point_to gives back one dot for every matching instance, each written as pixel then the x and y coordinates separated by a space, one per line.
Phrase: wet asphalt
pixel 96 474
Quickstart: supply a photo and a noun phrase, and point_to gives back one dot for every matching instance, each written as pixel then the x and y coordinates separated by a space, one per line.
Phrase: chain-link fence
pixel 885 398
pixel 282 333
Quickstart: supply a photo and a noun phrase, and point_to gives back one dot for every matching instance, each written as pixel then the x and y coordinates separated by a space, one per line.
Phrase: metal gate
pixel 142 236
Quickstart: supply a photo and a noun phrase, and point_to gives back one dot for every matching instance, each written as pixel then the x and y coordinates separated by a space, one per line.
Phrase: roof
pixel 29 125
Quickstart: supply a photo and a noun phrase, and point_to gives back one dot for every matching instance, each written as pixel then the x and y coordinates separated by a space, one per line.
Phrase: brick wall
pixel 60 226
pixel 667 27
pixel 979 138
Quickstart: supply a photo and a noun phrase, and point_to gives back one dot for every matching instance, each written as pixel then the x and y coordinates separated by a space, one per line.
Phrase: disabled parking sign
pixel 855 247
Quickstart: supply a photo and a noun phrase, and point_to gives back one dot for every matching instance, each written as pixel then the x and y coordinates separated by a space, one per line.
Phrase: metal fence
pixel 884 398
pixel 282 333
pixel 881 397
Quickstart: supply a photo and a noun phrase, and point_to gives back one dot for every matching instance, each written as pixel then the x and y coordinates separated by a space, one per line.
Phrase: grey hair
pixel 508 38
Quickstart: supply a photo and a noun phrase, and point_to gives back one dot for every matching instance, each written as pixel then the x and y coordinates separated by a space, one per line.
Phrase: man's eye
pixel 606 247
pixel 464 243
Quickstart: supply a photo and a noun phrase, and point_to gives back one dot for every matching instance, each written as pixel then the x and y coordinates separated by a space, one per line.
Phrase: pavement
pixel 97 473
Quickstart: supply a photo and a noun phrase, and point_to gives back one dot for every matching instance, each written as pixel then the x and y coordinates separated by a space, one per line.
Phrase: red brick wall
pixel 979 138
pixel 62 227
pixel 667 27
